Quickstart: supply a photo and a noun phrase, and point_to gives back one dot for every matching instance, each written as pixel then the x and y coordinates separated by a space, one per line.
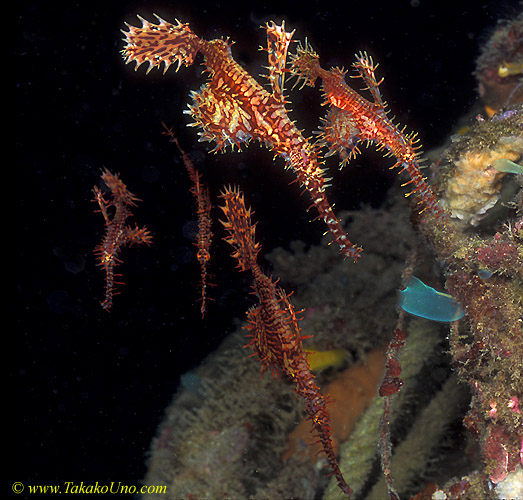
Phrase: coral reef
pixel 485 273
pixel 470 183
pixel 413 415
pixel 220 432
pixel 226 391
pixel 225 432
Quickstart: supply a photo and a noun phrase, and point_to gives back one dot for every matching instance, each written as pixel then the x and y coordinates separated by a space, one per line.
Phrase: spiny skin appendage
pixel 304 65
pixel 160 43
pixel 278 41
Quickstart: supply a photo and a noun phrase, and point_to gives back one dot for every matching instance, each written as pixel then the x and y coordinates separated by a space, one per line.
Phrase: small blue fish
pixel 423 301
pixel 484 274
pixel 504 165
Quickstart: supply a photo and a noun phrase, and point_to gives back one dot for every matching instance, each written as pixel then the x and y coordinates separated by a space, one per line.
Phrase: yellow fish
pixel 508 69
pixel 320 360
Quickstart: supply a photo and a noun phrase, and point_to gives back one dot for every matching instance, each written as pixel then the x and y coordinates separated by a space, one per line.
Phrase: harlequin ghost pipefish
pixel 232 108
pixel 273 325
pixel 203 212
pixel 352 119
pixel 116 210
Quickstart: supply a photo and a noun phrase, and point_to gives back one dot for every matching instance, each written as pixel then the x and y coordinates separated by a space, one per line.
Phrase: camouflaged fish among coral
pixel 409 390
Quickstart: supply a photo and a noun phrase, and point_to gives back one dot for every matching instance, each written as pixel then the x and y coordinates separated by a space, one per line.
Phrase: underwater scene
pixel 269 251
